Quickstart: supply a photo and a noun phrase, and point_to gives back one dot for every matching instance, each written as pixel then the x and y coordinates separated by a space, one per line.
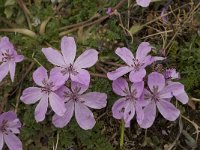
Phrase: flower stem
pixel 122 135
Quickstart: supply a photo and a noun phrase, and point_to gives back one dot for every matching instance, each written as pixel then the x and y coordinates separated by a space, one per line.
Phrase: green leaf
pixel 135 28
pixel 8 12
pixel 10 3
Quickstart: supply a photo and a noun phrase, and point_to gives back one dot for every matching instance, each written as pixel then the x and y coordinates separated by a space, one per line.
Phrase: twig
pixel 98 75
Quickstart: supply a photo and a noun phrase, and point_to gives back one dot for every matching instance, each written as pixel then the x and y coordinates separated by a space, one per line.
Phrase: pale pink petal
pixel 4 67
pixel 148 60
pixel 6 44
pixel 143 49
pixel 57 78
pixel 40 75
pixel 149 115
pixel 31 95
pixel 68 49
pixel 57 104
pixel 143 3
pixel 138 88
pixel 19 58
pixel 156 80
pixel 12 66
pixel 62 92
pixel 129 111
pixel 9 116
pixel 127 124
pixel 1 141
pixel 61 121
pixel 12 141
pixel 54 56
pixel 82 77
pixel 41 108
pixel 118 108
pixel 125 54
pixel 87 59
pixel 139 113
pixel 84 116
pixel 78 87
pixel 137 76
pixel 63 72
pixel 94 100
pixel 120 87
pixel 183 98
pixel 118 72
pixel 168 110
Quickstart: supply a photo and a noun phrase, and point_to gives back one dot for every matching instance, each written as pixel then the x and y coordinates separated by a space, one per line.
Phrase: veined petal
pixel 137 76
pixel 143 49
pixel 183 98
pixel 4 67
pixel 118 108
pixel 78 87
pixel 125 54
pixel 5 44
pixel 61 121
pixel 129 111
pixel 54 56
pixel 138 88
pixel 1 141
pixel 168 110
pixel 9 116
pixel 31 95
pixel 68 49
pixel 84 116
pixel 12 141
pixel 57 104
pixel 62 92
pixel 41 108
pixel 118 72
pixel 19 58
pixel 139 113
pixel 120 87
pixel 156 80
pixel 87 59
pixel 94 100
pixel 82 77
pixel 12 66
pixel 40 75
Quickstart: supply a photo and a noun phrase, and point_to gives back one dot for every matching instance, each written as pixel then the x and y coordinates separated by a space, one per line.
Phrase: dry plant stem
pixel 122 134
pixel 112 63
pixel 98 75
pixel 18 97
pixel 43 25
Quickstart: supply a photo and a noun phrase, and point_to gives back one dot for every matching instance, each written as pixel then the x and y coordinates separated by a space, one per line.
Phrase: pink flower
pixel 9 126
pixel 136 66
pixel 159 96
pixel 143 3
pixel 8 58
pixel 131 101
pixel 76 101
pixel 45 93
pixel 65 61
pixel 171 74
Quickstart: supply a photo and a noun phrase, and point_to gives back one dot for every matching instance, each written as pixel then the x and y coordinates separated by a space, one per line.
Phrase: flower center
pixel 6 56
pixel 132 96
pixel 4 126
pixel 47 86
pixel 70 70
pixel 136 64
pixel 154 95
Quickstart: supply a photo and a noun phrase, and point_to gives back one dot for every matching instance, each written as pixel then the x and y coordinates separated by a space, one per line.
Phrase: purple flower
pixel 136 66
pixel 131 101
pixel 9 126
pixel 171 74
pixel 76 101
pixel 65 61
pixel 159 96
pixel 45 93
pixel 143 3
pixel 8 58
pixel 108 10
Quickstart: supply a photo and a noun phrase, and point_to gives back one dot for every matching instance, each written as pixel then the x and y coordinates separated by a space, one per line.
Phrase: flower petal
pixel 118 108
pixel 87 59
pixel 12 66
pixel 4 67
pixel 149 115
pixel 120 87
pixel 183 98
pixel 129 111
pixel 82 77
pixel 137 76
pixel 78 87
pixel 84 116
pixel 143 49
pixel 1 141
pixel 94 100
pixel 143 3
pixel 168 110
pixel 68 49
pixel 62 92
pixel 138 88
pixel 41 108
pixel 31 95
pixel 19 58
pixel 5 44
pixel 125 54
pixel 39 75
pixel 57 104
pixel 12 141
pixel 139 113
pixel 156 80
pixel 118 72
pixel 57 78
pixel 54 56
pixel 9 116
pixel 61 121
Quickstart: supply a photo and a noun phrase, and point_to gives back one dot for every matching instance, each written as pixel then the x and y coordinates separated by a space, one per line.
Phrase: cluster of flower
pixel 64 89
